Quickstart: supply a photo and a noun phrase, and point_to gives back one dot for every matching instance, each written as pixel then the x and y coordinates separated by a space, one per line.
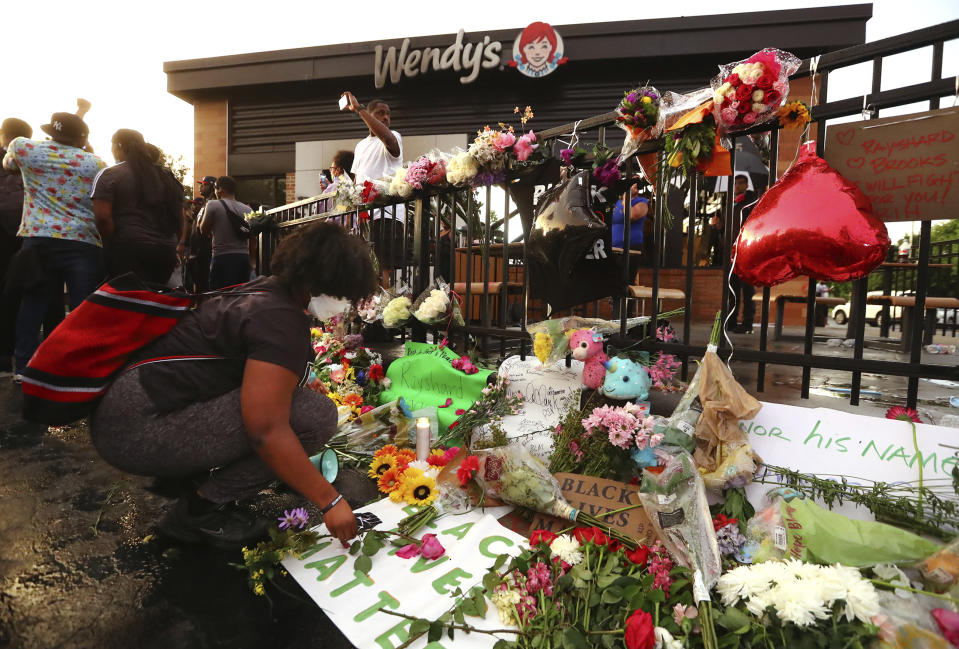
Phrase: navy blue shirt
pixel 635 228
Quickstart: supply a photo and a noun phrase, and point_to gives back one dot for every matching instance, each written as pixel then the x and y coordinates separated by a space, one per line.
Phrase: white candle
pixel 422 438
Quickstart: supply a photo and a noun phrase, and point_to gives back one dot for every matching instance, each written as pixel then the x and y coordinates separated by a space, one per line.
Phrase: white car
pixel 840 313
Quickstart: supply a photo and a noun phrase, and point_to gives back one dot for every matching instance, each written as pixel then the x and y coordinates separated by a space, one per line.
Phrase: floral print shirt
pixel 56 189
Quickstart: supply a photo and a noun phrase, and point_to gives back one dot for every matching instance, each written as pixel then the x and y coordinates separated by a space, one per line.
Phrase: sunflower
pixel 389 449
pixel 381 465
pixel 794 114
pixel 419 489
pixel 390 481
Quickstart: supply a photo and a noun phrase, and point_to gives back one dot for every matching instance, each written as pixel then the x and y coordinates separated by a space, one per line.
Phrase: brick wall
pixel 290 186
pixel 209 137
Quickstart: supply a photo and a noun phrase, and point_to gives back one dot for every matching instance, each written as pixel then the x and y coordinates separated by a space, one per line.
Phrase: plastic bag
pixel 724 403
pixel 438 306
pixel 749 92
pixel 941 570
pixel 794 527
pixel 675 501
pixel 371 309
pixel 427 171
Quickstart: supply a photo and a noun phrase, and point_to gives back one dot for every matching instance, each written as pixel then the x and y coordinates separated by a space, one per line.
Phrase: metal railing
pixel 448 233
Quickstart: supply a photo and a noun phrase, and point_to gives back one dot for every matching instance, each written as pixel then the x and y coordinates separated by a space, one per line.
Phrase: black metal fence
pixel 459 235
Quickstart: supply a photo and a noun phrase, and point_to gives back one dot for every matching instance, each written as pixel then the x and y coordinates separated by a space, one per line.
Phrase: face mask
pixel 325 307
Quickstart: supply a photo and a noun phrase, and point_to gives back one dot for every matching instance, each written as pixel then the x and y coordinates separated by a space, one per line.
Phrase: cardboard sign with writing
pixel 832 444
pixel 548 391
pixel 424 377
pixel 596 496
pixel 906 165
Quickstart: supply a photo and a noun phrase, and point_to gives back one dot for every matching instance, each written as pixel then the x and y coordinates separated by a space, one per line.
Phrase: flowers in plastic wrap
pixel 348 195
pixel 371 309
pixel 434 307
pixel 524 146
pixel 399 185
pixel 397 312
pixel 674 498
pixel 626 426
pixel 461 168
pixel 489 147
pixel 750 91
pixel 638 113
pixel 426 170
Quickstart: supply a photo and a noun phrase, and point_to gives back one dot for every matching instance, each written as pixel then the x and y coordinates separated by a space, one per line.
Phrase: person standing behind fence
pixel 58 227
pixel 138 209
pixel 379 155
pixel 231 251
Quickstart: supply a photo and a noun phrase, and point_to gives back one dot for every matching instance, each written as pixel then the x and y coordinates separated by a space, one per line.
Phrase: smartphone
pixel 344 102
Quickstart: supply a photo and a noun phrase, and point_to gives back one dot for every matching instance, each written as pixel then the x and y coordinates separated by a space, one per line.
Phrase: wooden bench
pixel 908 305
pixel 643 293
pixel 479 290
pixel 795 291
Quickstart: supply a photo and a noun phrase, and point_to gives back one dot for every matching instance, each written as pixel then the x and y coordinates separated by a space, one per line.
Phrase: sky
pixel 112 52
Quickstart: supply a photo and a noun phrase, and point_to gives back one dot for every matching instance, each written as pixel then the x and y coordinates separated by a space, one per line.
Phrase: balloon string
pixel 813 101
pixel 729 285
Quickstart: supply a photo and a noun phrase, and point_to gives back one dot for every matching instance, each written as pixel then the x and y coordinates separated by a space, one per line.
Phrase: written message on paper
pixel 908 165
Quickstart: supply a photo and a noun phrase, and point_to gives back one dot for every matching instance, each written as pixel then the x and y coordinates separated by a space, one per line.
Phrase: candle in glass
pixel 422 438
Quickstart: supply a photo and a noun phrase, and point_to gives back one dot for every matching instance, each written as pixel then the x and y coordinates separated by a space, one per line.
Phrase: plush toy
pixel 626 379
pixel 587 346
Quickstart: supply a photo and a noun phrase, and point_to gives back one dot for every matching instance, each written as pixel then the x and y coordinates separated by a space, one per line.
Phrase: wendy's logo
pixel 538 50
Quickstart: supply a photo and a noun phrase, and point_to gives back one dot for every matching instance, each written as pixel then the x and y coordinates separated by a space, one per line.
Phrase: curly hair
pixel 324 259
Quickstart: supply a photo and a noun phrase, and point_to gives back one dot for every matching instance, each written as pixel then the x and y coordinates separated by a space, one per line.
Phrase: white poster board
pixel 354 600
pixel 548 392
pixel 864 449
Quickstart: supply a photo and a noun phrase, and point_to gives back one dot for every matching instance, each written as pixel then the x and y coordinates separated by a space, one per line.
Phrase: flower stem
pixel 889 584
pixel 915 445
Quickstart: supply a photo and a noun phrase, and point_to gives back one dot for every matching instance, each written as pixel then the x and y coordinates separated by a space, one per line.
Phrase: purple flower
pixel 353 341
pixel 567 156
pixel 608 173
pixel 632 97
pixel 730 540
pixel 296 519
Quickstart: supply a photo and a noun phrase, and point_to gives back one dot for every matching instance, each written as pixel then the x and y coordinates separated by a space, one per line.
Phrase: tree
pixel 178 168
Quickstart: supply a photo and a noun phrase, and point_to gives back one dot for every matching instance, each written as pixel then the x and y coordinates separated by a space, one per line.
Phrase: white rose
pixel 731 94
pixel 758 108
pixel 758 95
pixel 718 98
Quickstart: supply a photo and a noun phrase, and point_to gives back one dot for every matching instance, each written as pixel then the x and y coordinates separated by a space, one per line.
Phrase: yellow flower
pixel 389 449
pixel 396 496
pixel 419 490
pixel 794 114
pixel 676 159
pixel 381 465
pixel 646 100
pixel 542 346
pixel 259 589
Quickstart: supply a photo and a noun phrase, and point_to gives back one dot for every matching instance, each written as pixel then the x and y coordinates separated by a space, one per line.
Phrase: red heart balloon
pixel 811 222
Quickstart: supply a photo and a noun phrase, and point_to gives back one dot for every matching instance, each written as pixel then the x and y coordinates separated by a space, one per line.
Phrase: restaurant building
pixel 271 119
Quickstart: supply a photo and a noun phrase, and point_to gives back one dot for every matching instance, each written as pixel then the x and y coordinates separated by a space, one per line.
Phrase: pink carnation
pixel 524 146
pixel 749 118
pixel 729 115
pixel 503 140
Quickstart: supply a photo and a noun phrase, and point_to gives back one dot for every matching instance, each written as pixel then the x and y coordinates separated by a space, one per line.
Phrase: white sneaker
pixel 18 379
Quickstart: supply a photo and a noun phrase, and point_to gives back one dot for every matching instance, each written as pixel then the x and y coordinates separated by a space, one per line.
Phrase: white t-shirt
pixel 371 161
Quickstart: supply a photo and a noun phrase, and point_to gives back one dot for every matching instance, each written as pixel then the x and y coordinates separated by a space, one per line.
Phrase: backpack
pixel 75 364
pixel 240 225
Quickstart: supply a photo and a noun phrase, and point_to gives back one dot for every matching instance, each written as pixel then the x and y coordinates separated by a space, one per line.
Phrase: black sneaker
pixel 227 527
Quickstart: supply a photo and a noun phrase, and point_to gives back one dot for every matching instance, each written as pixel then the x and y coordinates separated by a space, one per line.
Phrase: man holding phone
pixel 379 155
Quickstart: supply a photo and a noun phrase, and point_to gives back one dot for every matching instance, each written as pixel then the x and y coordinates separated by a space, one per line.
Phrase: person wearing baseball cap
pixel 58 226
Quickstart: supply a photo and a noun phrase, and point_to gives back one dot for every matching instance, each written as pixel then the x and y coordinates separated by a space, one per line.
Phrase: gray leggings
pixel 203 438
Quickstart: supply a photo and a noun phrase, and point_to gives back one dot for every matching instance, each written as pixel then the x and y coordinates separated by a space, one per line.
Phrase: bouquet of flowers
pixel 436 306
pixel 349 373
pixel 490 148
pixel 371 309
pixel 348 194
pixel 638 113
pixel 461 168
pixel 750 91
pixel 396 311
pixel 404 478
pixel 426 170
pixel 357 440
pixel 398 184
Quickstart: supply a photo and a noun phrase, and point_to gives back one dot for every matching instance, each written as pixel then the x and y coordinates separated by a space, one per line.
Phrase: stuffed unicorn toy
pixel 587 346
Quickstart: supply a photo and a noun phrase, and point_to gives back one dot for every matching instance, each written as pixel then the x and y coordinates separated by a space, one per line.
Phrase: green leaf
pixel 419 627
pixel 733 618
pixel 466 607
pixel 355 547
pixel 458 616
pixel 605 581
pixel 656 595
pixel 450 632
pixel 363 563
pixel 502 644
pixel 500 560
pixel 574 639
pixel 479 601
pixel 612 595
pixel 436 631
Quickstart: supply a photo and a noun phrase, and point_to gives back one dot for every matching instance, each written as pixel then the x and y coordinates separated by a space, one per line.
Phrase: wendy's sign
pixel 537 51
